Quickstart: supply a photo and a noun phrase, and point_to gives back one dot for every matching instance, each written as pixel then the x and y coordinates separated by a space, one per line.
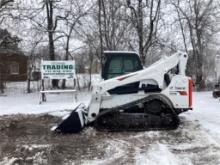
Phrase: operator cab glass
pixel 117 64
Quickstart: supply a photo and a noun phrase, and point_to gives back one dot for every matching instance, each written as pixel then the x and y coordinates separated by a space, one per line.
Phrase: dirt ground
pixel 27 139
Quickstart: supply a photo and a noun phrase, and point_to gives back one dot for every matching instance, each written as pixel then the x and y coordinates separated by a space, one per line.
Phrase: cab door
pixel 120 64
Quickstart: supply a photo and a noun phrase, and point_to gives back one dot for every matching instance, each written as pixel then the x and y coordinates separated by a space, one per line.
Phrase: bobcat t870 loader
pixel 133 98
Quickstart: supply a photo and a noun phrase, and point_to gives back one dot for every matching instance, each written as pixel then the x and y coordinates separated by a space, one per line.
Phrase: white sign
pixel 58 69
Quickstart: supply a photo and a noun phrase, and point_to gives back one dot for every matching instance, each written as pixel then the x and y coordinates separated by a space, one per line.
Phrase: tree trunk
pixel 66 58
pixel 200 82
pixel 50 28
pixel 29 80
pixel 140 31
pixel 100 31
pixel 90 69
pixel 1 79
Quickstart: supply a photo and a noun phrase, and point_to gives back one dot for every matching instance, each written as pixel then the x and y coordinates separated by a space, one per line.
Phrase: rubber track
pixel 175 117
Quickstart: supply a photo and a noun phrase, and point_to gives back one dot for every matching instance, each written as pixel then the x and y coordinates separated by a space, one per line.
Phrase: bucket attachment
pixel 72 123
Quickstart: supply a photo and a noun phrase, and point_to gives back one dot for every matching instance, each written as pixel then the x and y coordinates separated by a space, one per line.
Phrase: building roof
pixel 10 51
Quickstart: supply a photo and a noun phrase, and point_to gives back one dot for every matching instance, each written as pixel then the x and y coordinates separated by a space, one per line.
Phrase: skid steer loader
pixel 133 98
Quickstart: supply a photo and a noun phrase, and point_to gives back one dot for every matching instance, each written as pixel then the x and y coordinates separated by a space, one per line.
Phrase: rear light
pixel 183 93
pixel 190 92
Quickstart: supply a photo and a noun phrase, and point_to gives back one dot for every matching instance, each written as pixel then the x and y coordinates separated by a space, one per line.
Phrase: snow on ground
pixel 17 101
pixel 196 141
pixel 207 112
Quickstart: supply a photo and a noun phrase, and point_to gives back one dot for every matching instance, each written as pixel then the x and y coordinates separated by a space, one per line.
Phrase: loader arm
pixel 155 71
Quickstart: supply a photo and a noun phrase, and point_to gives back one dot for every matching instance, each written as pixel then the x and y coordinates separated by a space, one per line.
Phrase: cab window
pixel 128 66
pixel 115 67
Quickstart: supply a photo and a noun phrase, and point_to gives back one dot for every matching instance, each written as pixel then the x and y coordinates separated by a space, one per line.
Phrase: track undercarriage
pixel 156 114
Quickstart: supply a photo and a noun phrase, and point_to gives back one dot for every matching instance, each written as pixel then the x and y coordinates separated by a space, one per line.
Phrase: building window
pixel 14 68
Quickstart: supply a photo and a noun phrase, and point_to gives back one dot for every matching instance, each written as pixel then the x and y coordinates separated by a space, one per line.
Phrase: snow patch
pixel 157 154
pixel 35 146
pixel 114 151
pixel 8 161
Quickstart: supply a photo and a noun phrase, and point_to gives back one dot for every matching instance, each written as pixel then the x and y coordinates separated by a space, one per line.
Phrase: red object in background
pixel 190 92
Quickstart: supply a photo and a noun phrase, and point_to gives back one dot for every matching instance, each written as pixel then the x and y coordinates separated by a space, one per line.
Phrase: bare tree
pixel 200 17
pixel 51 27
pixel 113 24
pixel 4 6
pixel 45 17
pixel 74 13
pixel 32 59
pixel 8 44
pixel 5 2
pixel 3 66
pixel 146 32
pixel 3 76
pixel 100 2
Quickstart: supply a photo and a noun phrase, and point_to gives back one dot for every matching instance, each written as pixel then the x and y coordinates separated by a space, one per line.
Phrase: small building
pixel 13 65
